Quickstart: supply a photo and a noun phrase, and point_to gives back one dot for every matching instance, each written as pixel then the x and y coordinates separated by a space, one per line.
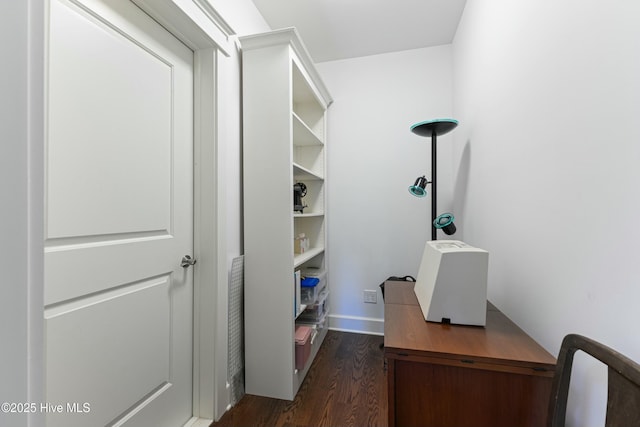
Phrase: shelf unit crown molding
pixel 289 36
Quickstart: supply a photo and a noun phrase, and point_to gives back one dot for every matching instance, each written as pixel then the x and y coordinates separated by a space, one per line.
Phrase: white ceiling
pixel 339 29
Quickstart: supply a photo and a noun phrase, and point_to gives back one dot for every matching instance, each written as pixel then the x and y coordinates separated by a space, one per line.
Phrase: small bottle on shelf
pixel 301 244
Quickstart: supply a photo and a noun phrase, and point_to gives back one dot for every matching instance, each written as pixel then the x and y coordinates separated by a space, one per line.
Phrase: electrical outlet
pixel 370 296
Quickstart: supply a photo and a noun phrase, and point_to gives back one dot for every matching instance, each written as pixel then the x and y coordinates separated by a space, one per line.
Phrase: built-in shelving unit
pixel 284 132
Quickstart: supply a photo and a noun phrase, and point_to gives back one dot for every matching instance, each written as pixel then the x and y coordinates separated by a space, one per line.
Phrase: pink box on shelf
pixel 303 346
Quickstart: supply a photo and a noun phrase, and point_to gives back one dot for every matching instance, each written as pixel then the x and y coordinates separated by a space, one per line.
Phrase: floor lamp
pixel 433 128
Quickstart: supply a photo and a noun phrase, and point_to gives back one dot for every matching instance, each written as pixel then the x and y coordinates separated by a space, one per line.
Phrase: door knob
pixel 187 261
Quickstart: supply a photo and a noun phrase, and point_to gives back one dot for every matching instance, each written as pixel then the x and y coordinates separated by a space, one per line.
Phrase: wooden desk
pixel 461 376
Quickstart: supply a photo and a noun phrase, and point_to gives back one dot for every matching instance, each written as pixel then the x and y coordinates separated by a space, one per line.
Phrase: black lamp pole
pixel 433 128
pixel 434 177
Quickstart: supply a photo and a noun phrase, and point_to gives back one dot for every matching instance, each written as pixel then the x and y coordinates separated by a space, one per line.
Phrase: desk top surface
pixel 500 341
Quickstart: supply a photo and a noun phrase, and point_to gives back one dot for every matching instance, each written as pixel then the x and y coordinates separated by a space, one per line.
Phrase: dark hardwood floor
pixel 346 386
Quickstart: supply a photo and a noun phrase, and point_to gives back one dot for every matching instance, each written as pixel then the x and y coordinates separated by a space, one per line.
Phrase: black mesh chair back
pixel 623 400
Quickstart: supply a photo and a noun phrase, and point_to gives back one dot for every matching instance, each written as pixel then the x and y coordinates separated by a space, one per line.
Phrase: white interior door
pixel 119 218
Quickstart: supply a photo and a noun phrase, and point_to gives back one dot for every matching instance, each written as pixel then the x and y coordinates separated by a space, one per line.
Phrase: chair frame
pixel 623 400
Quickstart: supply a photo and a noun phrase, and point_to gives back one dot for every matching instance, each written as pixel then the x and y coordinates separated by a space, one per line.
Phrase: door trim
pixel 210 39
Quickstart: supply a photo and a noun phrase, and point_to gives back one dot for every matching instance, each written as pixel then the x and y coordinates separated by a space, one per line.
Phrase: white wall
pixel 376 228
pixel 547 175
pixel 243 17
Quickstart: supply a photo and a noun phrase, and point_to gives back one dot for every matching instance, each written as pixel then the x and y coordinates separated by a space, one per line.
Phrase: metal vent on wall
pixel 235 370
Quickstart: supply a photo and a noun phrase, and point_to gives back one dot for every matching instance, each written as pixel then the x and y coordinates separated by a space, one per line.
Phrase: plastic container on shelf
pixel 317 325
pixel 314 272
pixel 315 312
pixel 303 345
pixel 310 288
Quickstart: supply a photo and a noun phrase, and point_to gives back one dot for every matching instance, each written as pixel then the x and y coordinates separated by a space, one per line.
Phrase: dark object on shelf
pixel 432 128
pixel 623 400
pixel 299 191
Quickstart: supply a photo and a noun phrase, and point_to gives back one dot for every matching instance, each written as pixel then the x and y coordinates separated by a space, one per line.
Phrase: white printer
pixel 452 283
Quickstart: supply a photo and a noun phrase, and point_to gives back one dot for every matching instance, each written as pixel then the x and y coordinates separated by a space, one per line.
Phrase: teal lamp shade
pixel 435 127
pixel 445 223
pixel 418 189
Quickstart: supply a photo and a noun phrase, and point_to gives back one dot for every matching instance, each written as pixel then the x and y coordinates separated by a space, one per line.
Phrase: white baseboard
pixel 362 325
pixel 198 422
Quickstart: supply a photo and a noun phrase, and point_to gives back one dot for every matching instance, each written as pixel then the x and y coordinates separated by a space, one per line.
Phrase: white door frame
pixel 200 27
